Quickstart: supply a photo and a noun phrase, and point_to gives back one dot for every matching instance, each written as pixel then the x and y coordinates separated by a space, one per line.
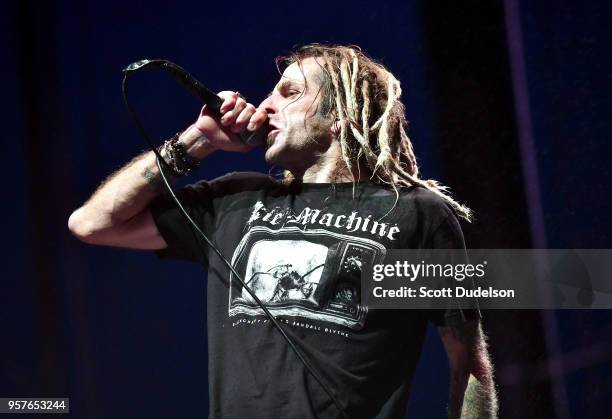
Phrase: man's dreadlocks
pixel 365 98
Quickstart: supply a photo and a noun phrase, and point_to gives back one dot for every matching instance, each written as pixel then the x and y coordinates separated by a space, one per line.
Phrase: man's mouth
pixel 271 137
pixel 272 124
pixel 272 134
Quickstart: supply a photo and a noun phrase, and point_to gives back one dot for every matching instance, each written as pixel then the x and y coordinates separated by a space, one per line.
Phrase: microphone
pixel 214 102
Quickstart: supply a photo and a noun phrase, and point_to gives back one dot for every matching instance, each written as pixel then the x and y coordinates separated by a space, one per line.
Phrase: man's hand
pixel 237 115
pixel 472 391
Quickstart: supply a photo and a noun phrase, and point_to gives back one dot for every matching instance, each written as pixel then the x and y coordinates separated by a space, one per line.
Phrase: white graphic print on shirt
pixel 313 274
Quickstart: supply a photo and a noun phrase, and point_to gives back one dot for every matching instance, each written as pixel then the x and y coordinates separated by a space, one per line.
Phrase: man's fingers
pixel 229 101
pixel 235 115
pixel 257 119
pixel 243 119
pixel 230 116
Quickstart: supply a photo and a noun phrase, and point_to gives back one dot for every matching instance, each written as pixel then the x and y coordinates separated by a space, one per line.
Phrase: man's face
pixel 299 133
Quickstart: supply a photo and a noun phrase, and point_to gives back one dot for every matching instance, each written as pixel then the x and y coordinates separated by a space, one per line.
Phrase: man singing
pixel 350 192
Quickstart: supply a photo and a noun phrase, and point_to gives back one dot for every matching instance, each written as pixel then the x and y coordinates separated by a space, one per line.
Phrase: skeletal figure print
pixel 278 272
pixel 312 275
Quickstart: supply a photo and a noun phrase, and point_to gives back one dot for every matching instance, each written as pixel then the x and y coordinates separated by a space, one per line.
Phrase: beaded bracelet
pixel 176 157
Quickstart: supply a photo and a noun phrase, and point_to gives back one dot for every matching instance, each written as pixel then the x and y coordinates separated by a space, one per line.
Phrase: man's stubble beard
pixel 302 146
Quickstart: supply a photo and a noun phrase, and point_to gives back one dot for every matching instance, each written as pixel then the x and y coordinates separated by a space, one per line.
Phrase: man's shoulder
pixel 424 197
pixel 425 201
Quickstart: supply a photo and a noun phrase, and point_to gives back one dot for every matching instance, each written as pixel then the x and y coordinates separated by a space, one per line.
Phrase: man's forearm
pixel 475 399
pixel 130 190
pixel 472 389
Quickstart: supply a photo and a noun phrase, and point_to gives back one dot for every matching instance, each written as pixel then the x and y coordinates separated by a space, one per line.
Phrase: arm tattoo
pixel 155 181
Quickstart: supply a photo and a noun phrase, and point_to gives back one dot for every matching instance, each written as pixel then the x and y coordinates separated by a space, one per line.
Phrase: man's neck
pixel 330 168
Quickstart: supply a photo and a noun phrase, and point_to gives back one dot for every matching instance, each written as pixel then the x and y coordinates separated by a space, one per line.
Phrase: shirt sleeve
pixel 184 242
pixel 448 235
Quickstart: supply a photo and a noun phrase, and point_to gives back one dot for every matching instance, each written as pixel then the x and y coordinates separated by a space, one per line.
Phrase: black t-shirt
pixel 300 248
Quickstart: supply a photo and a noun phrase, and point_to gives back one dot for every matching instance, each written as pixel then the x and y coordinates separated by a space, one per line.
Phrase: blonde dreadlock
pixel 365 98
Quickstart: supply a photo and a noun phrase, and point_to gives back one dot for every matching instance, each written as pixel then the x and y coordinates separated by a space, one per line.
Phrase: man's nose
pixel 268 105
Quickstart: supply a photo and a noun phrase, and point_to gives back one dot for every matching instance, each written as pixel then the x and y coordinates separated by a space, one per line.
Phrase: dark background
pixel 508 104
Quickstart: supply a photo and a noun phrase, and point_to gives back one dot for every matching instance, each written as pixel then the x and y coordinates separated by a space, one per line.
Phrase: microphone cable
pixel 196 88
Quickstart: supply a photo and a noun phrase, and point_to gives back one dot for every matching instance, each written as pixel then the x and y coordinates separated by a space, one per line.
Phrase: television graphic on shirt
pixel 307 274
